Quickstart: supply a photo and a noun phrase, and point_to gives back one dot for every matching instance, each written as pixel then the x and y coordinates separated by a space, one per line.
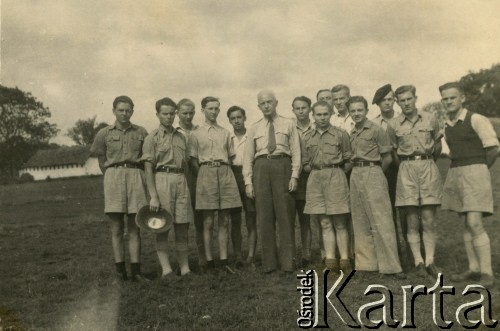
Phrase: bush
pixel 26 178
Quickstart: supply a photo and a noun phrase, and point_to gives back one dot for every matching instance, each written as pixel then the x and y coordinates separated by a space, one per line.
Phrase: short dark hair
pixel 356 99
pixel 185 102
pixel 165 102
pixel 450 85
pixel 405 88
pixel 232 109
pixel 341 87
pixel 321 103
pixel 302 98
pixel 208 99
pixel 321 91
pixel 123 98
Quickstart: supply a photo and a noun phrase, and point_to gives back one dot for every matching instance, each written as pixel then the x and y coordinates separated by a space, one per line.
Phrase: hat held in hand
pixel 154 221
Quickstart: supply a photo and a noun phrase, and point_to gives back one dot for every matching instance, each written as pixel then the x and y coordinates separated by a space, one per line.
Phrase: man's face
pixel 211 110
pixel 358 112
pixel 322 115
pixel 237 120
pixel 327 97
pixel 166 115
pixel 339 100
pixel 301 110
pixel 452 100
pixel 123 112
pixel 186 114
pixel 267 104
pixel 387 103
pixel 407 101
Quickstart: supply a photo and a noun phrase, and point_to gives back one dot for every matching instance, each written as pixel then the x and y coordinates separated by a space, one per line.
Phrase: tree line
pixel 25 126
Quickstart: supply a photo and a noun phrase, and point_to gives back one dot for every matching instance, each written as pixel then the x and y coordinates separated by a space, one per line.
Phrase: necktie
pixel 271 144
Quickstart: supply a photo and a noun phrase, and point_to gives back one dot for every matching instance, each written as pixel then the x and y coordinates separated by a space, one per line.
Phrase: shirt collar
pixel 368 124
pixel 460 117
pixel 116 127
pixel 403 118
pixel 330 130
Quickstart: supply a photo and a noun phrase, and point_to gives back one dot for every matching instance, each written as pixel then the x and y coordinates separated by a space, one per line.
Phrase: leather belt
pixel 415 157
pixel 273 156
pixel 366 164
pixel 127 165
pixel 170 170
pixel 326 166
pixel 213 164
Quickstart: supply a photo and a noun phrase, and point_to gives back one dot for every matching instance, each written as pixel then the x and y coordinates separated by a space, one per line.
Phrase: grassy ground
pixel 56 273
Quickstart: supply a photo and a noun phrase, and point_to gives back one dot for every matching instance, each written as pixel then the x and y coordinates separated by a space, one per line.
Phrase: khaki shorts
pixel 174 196
pixel 124 190
pixel 419 184
pixel 327 192
pixel 468 188
pixel 216 189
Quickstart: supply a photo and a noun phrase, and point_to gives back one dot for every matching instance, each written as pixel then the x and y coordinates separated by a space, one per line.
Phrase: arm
pixel 386 160
pixel 491 155
pixel 438 135
pixel 193 153
pixel 102 159
pixel 438 147
pixel 394 142
pixel 154 203
pixel 295 151
pixel 248 160
pixel 346 151
pixel 98 149
pixel 306 161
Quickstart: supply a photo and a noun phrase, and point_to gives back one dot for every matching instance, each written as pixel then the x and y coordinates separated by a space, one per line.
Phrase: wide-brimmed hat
pixel 155 221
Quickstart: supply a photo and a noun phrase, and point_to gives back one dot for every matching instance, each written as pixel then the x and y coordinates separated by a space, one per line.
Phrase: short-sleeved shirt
pixel 287 142
pixel 415 138
pixel 163 148
pixel 369 142
pixel 210 143
pixel 119 145
pixel 326 148
pixel 302 131
pixel 344 122
pixel 381 121
pixel 237 149
pixel 481 125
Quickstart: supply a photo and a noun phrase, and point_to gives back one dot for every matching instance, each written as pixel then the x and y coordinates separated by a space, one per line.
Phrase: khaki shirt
pixel 415 138
pixel 209 143
pixel 119 145
pixel 325 149
pixel 344 122
pixel 165 149
pixel 369 142
pixel 187 133
pixel 287 142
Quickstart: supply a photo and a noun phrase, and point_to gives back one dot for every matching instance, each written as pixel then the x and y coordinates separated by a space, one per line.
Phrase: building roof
pixel 64 155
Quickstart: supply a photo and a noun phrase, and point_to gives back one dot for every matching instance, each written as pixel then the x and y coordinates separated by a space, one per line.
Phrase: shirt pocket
pixel 260 142
pixel 136 143
pixel 425 136
pixel 113 143
pixel 282 138
pixel 331 148
pixel 364 144
pixel 404 138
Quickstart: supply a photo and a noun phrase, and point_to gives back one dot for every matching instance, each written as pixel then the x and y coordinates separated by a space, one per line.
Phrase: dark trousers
pixel 275 206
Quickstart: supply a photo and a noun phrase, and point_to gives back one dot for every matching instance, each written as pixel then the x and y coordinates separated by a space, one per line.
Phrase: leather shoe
pixel 466 276
pixel 432 270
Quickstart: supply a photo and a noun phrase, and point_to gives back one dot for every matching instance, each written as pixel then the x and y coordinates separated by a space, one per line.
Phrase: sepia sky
pixel 76 56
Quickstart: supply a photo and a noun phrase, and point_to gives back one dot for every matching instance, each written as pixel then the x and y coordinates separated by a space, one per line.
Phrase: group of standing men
pixel 340 170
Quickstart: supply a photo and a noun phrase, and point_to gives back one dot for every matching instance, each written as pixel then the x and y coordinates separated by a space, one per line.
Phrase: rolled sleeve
pixel 484 130
pixel 392 137
pixel 98 147
pixel 148 150
pixel 346 146
pixel 249 157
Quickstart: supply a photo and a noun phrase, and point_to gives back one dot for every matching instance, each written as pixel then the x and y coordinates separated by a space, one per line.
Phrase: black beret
pixel 381 93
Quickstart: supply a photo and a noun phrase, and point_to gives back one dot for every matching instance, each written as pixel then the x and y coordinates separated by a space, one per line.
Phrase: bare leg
pixel 208 224
pixel 329 239
pixel 134 239
pixel 429 233
pixel 117 228
pixel 340 224
pixel 162 252
pixel 413 235
pixel 223 233
pixel 481 241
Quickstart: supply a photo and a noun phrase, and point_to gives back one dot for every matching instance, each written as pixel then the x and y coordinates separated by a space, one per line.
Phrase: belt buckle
pixel 269 156
pixel 418 157
pixel 215 164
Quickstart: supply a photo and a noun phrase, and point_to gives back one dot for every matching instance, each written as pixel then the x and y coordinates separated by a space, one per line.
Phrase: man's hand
pixel 249 191
pixel 292 185
pixel 307 168
pixel 154 204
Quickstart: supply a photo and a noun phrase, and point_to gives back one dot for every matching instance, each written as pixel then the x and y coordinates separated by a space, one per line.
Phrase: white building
pixel 66 161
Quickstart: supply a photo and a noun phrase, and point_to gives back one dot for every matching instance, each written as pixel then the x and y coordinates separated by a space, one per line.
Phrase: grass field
pixel 56 273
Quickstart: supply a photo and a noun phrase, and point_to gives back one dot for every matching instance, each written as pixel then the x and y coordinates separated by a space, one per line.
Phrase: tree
pixel 84 131
pixel 482 91
pixel 23 128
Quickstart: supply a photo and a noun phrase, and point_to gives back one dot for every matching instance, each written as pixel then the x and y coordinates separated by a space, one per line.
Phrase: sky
pixel 77 56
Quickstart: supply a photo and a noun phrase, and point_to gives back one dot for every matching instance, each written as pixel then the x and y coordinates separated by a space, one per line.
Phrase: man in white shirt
pixel 341 119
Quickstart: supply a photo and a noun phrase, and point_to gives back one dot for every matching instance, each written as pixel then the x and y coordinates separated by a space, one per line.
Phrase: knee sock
pixel 471 253
pixel 482 247
pixel 414 242
pixel 121 270
pixel 429 240
pixel 135 269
